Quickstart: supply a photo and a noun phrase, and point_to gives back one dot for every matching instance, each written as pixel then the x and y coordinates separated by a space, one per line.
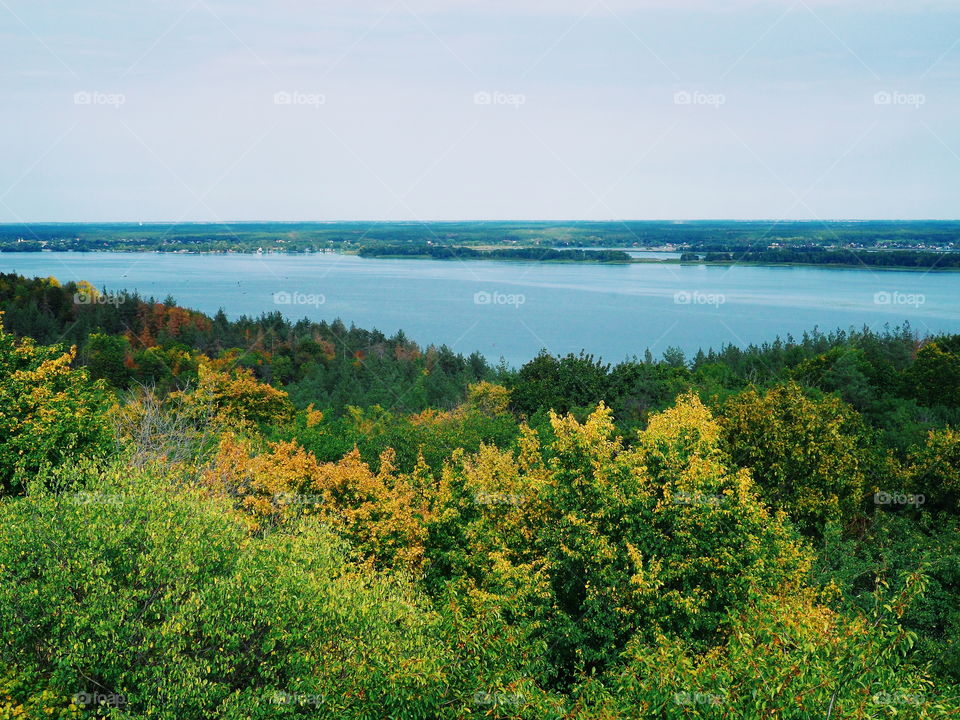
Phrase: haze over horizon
pixel 417 110
pixel 551 221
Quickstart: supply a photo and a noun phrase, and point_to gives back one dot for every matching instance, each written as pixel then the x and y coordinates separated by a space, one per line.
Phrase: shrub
pixel 160 602
pixel 786 657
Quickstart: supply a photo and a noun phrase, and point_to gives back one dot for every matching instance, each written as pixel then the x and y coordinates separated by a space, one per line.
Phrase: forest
pixel 444 252
pixel 263 518
pixel 818 256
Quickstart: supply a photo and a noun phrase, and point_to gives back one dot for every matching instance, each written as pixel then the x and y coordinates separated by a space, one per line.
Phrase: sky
pixel 231 110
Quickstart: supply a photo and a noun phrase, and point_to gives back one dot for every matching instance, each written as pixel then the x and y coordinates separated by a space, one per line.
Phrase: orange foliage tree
pixel 383 514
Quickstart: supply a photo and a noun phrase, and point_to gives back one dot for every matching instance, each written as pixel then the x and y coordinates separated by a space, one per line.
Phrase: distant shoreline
pixel 838 266
pixel 565 261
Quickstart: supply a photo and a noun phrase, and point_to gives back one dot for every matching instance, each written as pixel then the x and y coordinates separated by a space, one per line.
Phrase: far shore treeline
pixel 442 252
pixel 902 244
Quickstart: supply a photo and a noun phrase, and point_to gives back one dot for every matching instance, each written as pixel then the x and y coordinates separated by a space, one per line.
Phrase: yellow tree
pixel 592 543
pixel 383 514
pixel 50 412
pixel 235 397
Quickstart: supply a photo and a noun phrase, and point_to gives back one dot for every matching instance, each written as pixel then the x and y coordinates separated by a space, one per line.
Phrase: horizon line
pixel 467 220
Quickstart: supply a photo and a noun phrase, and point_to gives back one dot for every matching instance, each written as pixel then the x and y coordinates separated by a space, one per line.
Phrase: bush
pixel 159 603
pixel 786 657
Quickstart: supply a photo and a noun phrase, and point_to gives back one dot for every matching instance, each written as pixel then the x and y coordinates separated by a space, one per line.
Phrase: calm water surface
pixel 512 309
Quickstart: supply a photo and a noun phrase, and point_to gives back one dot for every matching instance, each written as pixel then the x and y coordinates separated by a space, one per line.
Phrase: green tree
pixel 934 377
pixel 934 468
pixel 808 456
pixel 560 384
pixel 108 357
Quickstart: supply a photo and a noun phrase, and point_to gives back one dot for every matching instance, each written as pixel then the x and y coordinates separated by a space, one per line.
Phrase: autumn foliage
pixel 224 543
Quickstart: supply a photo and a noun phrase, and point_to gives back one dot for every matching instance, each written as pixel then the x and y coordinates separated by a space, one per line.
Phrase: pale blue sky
pixel 424 109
